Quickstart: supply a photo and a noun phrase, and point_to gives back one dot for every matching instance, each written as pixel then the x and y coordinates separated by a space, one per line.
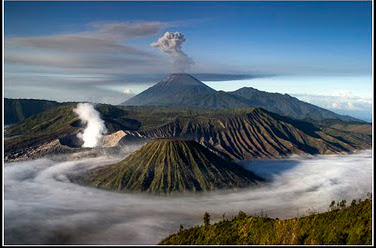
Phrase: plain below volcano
pixel 170 165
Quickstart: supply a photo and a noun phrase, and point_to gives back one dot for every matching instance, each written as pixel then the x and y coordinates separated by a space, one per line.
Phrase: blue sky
pixel 96 50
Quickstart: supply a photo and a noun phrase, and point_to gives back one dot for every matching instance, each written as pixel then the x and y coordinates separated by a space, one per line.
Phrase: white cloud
pixel 342 102
pixel 128 92
pixel 343 93
pixel 336 105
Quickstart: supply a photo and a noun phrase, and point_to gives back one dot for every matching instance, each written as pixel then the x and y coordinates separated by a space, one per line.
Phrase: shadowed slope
pixel 167 165
pixel 287 105
pixel 16 110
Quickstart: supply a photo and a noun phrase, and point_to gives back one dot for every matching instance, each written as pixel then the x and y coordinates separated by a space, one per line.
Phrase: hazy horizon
pixel 362 111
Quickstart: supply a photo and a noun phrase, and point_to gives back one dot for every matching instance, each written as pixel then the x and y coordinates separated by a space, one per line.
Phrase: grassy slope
pixel 165 166
pixel 352 225
pixel 16 110
pixel 38 129
pixel 58 122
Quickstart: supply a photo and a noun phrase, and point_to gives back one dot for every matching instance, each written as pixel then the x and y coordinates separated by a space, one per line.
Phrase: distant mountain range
pixel 183 90
pixel 234 134
pixel 182 106
pixel 167 166
pixel 257 133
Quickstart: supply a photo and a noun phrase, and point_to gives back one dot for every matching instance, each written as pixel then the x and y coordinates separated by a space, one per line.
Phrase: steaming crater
pixel 95 127
pixel 42 207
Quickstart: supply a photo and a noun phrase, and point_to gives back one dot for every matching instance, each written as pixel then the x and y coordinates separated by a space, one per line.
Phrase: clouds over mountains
pixel 342 102
pixel 102 46
pixel 81 63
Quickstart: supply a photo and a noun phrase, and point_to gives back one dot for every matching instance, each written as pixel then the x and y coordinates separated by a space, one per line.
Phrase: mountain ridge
pixel 16 110
pixel 231 133
pixel 258 133
pixel 284 104
pixel 183 90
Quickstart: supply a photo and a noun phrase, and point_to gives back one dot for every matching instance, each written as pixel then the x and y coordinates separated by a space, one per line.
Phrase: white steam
pixel 171 43
pixel 95 127
pixel 41 206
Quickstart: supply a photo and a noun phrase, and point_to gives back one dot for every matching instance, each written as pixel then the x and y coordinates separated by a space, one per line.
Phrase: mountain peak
pixel 245 88
pixel 171 91
pixel 180 79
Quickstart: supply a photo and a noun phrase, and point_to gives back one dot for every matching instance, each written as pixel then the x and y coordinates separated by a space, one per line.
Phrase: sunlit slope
pixel 257 133
pixel 45 127
pixel 57 123
pixel 349 226
pixel 168 165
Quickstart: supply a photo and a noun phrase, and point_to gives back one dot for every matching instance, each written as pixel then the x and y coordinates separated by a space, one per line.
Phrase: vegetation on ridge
pixel 45 127
pixel 341 226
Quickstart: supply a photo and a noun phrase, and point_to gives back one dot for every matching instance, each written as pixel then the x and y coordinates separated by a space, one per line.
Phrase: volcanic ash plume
pixel 95 127
pixel 171 43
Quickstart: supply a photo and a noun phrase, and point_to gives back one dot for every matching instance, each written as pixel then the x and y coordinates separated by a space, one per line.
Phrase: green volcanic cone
pixel 170 165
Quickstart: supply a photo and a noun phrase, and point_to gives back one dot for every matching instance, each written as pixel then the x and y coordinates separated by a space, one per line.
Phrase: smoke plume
pixel 95 127
pixel 171 43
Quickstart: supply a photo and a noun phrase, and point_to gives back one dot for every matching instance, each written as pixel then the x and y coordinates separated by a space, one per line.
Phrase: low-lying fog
pixel 43 207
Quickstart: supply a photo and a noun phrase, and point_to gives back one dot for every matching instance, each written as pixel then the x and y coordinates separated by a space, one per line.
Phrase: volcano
pixel 184 90
pixel 173 90
pixel 170 165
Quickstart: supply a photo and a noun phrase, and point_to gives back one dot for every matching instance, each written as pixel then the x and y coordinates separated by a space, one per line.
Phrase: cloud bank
pixel 41 205
pixel 102 46
pixel 95 127
pixel 171 43
pixel 342 102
